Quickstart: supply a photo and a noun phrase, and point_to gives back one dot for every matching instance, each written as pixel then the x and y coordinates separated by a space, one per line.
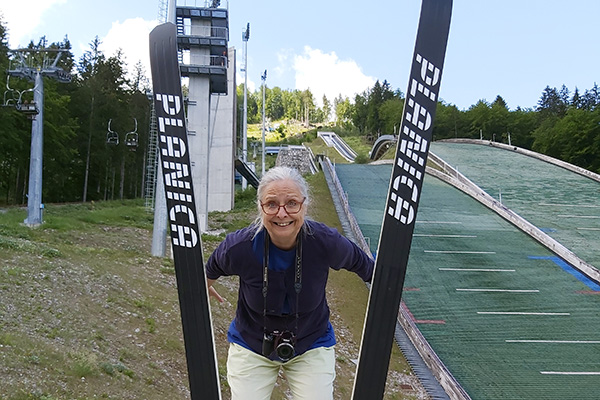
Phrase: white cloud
pixel 326 74
pixel 22 17
pixel 131 36
pixel 283 67
pixel 322 73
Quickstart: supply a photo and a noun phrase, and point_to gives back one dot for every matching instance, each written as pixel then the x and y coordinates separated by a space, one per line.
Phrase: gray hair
pixel 279 174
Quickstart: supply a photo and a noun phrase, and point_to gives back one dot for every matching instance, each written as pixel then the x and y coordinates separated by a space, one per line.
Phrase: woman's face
pixel 283 227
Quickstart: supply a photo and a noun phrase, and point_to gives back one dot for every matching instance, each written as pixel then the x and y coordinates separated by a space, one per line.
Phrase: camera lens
pixel 285 351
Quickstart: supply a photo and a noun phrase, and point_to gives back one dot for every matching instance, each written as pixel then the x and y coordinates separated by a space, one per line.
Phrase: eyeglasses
pixel 291 207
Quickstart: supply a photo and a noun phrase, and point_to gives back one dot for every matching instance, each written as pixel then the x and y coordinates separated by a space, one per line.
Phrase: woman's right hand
pixel 212 291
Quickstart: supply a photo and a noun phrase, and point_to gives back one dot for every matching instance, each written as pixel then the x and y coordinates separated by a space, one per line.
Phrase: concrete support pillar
pixel 223 141
pixel 199 139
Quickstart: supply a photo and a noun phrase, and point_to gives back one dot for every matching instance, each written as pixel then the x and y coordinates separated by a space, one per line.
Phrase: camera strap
pixel 297 276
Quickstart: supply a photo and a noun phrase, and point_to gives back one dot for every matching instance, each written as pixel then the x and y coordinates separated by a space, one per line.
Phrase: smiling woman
pixel 282 317
pixel 282 197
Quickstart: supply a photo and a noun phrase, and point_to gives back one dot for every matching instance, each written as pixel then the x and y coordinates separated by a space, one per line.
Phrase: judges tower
pixel 209 64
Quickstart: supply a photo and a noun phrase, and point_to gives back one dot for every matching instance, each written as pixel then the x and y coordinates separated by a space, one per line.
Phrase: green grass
pixel 80 216
pixel 358 144
pixel 6 339
pixel 289 130
pixel 318 146
pixel 80 291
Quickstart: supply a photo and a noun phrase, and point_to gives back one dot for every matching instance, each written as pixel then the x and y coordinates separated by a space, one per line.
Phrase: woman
pixel 282 317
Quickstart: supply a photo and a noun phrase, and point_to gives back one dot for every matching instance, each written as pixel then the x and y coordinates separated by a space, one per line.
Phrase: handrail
pixel 203 3
pixel 205 31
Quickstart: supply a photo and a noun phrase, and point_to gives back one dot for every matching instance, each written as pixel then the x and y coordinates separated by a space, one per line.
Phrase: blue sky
pixel 512 48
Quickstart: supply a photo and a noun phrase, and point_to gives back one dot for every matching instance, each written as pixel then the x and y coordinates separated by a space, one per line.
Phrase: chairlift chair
pixel 9 99
pixel 112 138
pixel 132 138
pixel 9 95
pixel 29 109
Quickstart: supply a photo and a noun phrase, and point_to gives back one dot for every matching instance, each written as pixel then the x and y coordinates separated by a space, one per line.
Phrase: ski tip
pixel 164 28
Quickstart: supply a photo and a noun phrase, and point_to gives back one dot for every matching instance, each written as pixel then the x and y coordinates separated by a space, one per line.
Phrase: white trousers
pixel 252 376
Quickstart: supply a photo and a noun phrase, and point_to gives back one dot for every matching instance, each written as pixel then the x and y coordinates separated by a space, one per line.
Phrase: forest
pixel 82 163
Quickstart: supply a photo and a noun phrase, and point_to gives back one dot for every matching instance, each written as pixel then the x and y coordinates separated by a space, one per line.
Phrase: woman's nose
pixel 281 212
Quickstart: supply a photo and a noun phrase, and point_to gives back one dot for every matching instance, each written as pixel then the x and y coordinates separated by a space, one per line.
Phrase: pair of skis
pixel 396 231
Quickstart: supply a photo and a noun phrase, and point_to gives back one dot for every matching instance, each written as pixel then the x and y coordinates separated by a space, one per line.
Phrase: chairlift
pixel 29 109
pixel 9 97
pixel 132 138
pixel 8 100
pixel 14 98
pixel 112 138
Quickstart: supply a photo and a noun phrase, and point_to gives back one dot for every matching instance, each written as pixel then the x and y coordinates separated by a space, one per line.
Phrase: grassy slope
pixel 86 311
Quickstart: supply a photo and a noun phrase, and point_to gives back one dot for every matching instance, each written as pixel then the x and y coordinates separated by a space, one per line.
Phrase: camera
pixel 280 342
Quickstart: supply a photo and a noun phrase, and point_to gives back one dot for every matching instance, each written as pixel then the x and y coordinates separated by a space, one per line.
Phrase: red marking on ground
pixel 423 321
pixel 430 321
pixel 410 315
pixel 588 292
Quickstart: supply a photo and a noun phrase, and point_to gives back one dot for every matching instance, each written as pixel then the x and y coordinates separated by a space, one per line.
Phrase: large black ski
pixel 403 198
pixel 185 235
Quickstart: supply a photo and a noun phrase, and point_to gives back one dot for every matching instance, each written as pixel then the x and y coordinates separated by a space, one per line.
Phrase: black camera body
pixel 280 342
